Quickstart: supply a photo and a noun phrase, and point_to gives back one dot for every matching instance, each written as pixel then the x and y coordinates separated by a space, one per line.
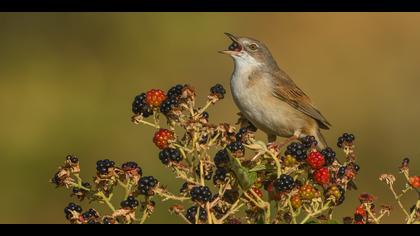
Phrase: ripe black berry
pixel 130 203
pixel 146 184
pixel 131 165
pixel 358 217
pixel 231 196
pixel 218 91
pixel 345 139
pixel 140 106
pixel 236 147
pixel 284 183
pixel 220 176
pixel 205 115
pixel 241 133
pixel 175 92
pixel 221 159
pixel 170 154
pixel 308 142
pixel 72 207
pixel 329 156
pixel 200 194
pixel 91 213
pixel 297 150
pixel 72 159
pixel 103 166
pixel 341 171
pixel 192 213
pixel 168 104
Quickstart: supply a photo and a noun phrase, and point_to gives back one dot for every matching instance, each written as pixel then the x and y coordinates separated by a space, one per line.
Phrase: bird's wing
pixel 286 90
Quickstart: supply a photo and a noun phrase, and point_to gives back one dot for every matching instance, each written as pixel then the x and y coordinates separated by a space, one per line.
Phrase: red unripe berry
pixel 315 160
pixel 360 210
pixel 414 181
pixel 162 138
pixel 322 176
pixel 155 97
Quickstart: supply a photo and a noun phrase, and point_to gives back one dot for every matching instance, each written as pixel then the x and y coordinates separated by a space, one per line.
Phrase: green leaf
pixel 245 178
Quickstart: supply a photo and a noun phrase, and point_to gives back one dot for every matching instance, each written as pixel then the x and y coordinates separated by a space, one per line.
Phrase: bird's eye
pixel 253 47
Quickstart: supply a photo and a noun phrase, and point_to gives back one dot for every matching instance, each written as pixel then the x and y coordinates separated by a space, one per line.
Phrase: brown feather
pixel 286 90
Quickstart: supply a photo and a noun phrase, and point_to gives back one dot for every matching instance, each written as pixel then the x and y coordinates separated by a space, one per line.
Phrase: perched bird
pixel 268 98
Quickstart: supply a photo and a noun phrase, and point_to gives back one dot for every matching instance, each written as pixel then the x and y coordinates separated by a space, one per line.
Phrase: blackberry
pixel 200 194
pixel 130 203
pixel 91 213
pixel 108 221
pixel 309 142
pixel 131 165
pixel 170 154
pixel 284 183
pixel 356 167
pixel 329 156
pixel 71 207
pixel 236 147
pixel 168 104
pixel 358 218
pixel 345 139
pixel 72 159
pixel 220 176
pixel 221 159
pixel 205 115
pixel 192 213
pixel 184 188
pixel 140 106
pixel 341 171
pixel 103 166
pixel 218 91
pixel 297 150
pixel 146 184
pixel 231 196
pixel 207 173
pixel 175 92
pixel 241 133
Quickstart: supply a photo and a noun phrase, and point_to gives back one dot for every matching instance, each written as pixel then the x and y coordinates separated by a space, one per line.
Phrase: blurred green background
pixel 67 81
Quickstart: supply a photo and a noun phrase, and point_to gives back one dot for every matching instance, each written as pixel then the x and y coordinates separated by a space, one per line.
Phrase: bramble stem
pixel 313 214
pixel 106 200
pixel 169 196
pixel 397 198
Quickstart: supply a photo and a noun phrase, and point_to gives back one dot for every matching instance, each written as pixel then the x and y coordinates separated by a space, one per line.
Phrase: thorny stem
pixel 265 206
pixel 138 120
pixel 397 198
pixel 370 213
pixel 106 200
pixel 315 213
pixel 276 160
pixel 289 203
pixel 208 104
pixel 413 214
pixel 169 196
pixel 233 209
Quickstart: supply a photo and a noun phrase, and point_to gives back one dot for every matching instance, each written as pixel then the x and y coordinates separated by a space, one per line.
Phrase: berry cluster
pixel 237 148
pixel 329 156
pixel 218 90
pixel 162 138
pixel 173 99
pixel 220 176
pixel 91 216
pixel 284 183
pixel 315 160
pixel 296 150
pixel 71 209
pixel 132 166
pixel 345 140
pixel 201 194
pixel 322 176
pixel 221 159
pixel 104 166
pixel 169 155
pixel 140 106
pixel 146 185
pixel 130 203
pixel 192 214
pixel 309 142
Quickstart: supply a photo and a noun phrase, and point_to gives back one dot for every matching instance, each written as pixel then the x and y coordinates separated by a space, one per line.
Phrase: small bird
pixel 268 98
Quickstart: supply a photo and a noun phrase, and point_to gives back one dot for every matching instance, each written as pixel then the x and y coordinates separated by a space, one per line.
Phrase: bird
pixel 268 98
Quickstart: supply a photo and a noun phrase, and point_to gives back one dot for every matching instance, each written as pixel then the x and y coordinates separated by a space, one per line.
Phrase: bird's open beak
pixel 235 48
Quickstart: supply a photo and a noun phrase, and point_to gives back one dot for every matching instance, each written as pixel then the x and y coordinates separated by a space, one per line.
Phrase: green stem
pixel 106 200
pixel 313 214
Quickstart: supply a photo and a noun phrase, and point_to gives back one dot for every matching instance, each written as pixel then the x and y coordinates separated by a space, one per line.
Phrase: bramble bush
pixel 229 176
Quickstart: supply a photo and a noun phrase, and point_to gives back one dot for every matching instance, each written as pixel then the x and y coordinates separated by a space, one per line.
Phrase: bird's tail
pixel 322 143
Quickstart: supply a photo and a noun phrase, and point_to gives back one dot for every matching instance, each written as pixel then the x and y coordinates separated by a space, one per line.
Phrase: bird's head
pixel 249 51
